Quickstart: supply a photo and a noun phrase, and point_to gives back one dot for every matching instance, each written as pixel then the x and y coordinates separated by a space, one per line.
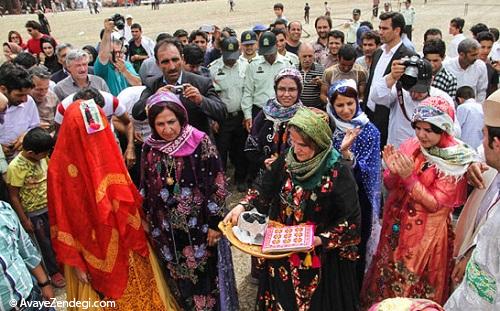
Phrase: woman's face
pixel 287 92
pixel 425 135
pixel 167 125
pixel 15 38
pixel 345 107
pixel 48 49
pixel 91 57
pixel 301 149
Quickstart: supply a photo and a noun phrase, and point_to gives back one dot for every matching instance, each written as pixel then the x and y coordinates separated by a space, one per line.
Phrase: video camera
pixel 118 20
pixel 416 69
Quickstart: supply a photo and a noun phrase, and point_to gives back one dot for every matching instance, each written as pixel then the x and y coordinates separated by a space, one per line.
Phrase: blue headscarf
pixel 359 119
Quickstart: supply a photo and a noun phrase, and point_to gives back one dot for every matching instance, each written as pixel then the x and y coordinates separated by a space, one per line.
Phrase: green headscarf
pixel 308 173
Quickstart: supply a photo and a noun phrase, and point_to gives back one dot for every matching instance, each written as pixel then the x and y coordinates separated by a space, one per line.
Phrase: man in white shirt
pixel 468 69
pixel 470 116
pixel 409 13
pixel 385 93
pixel 456 30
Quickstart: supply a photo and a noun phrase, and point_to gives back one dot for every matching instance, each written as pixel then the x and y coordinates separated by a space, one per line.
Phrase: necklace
pixel 170 168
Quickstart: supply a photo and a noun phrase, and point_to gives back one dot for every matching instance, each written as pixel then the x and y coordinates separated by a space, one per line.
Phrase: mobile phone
pixel 207 28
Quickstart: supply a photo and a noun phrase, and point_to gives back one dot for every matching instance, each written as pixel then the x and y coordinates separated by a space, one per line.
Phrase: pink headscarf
pixel 189 137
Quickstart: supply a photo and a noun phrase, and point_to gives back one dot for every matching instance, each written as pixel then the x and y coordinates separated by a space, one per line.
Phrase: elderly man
pixel 259 77
pixel 21 114
pixel 293 37
pixel 111 64
pixel 314 93
pixel 469 69
pixel 77 67
pixel 479 289
pixel 46 100
pixel 196 92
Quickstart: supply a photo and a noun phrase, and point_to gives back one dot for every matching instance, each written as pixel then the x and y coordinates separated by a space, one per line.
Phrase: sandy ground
pixel 80 28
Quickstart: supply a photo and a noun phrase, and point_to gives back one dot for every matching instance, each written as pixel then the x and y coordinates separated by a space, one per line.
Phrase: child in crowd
pixel 470 117
pixel 27 185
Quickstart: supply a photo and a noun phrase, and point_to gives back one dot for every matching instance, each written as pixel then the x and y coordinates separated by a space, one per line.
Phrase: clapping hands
pixel 397 162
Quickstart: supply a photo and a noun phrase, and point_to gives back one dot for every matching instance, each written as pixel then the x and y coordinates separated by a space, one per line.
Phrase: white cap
pixel 128 16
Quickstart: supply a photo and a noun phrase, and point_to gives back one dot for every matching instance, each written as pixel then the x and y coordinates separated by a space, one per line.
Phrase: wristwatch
pixel 41 285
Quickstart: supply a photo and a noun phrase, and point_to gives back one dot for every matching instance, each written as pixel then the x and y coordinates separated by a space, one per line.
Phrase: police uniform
pixel 293 58
pixel 228 83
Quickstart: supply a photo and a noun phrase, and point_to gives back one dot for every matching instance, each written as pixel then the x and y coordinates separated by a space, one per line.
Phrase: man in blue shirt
pixel 111 64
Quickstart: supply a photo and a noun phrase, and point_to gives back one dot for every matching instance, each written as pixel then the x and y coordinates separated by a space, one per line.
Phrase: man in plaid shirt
pixel 434 52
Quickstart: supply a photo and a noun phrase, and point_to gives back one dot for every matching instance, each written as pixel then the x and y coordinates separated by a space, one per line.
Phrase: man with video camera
pixel 406 85
pixel 196 93
pixel 111 64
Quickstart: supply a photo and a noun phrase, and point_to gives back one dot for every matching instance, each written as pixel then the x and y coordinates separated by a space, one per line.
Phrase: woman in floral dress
pixel 184 191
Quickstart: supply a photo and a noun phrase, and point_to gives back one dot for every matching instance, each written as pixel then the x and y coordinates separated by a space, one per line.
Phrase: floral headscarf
pixel 450 156
pixel 189 137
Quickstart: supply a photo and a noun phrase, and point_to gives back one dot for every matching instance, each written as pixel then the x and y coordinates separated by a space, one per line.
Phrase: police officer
pixel 248 46
pixel 228 74
pixel 259 77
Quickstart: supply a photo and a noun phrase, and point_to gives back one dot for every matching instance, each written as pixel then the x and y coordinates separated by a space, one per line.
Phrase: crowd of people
pixel 118 159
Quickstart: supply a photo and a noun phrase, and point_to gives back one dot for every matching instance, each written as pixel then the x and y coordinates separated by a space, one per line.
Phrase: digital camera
pixel 118 20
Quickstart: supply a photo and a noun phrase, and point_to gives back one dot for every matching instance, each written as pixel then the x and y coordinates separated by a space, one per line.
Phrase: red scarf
pixel 94 208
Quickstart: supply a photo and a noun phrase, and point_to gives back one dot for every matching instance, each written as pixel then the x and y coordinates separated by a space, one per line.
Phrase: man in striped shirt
pixel 314 93
pixel 17 259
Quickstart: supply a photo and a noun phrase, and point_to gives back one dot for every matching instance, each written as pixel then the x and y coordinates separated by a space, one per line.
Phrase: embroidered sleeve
pixel 441 193
pixel 345 237
pixel 391 181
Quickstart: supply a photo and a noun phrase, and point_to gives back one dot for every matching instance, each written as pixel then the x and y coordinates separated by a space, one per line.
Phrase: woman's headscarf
pixel 308 173
pixel 189 137
pixel 359 35
pixel 94 208
pixel 14 47
pixel 450 155
pixel 340 87
pixel 51 41
pixel 21 43
pixel 273 110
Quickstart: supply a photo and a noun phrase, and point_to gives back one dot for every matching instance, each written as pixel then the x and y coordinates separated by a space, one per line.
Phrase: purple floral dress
pixel 180 215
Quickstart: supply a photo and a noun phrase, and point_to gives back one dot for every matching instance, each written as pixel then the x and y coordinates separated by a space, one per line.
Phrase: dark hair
pixel 495 33
pixel 306 138
pixel 193 54
pixel 136 26
pixel 196 33
pixel 347 52
pixel 170 41
pixel 432 32
pixel 25 60
pixel 278 6
pixel 349 92
pixel 230 31
pixel 371 35
pixel 337 34
pixel 93 51
pixel 38 140
pixel 33 24
pixel 459 23
pixel 279 21
pixel 465 92
pixel 163 35
pixel 278 31
pixel 158 108
pixel 435 47
pixel 434 128
pixel 180 33
pixel 323 18
pixel 485 36
pixel 477 28
pixel 493 131
pixel 367 24
pixel 90 93
pixel 397 20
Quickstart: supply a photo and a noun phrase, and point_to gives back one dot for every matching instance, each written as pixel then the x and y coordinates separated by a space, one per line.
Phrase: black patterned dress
pixel 180 215
pixel 326 280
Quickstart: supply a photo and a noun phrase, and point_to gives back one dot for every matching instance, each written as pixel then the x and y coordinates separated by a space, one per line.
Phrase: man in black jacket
pixel 198 95
pixel 390 28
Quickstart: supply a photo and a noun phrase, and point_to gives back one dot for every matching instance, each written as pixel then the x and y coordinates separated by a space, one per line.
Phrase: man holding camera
pixel 111 64
pixel 196 93
pixel 401 96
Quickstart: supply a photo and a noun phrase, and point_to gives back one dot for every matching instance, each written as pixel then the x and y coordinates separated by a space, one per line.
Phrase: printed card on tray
pixel 288 239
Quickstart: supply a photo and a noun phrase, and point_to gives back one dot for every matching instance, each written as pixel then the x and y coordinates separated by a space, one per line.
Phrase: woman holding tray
pixel 310 184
